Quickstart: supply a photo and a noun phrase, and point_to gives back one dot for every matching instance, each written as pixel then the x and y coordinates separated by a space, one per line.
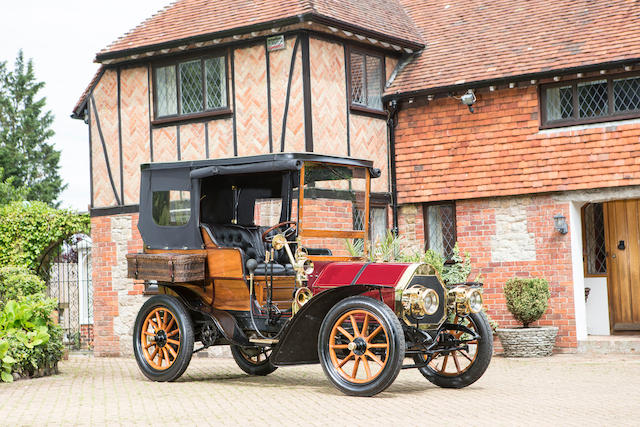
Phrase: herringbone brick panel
pixel 328 97
pixel 251 95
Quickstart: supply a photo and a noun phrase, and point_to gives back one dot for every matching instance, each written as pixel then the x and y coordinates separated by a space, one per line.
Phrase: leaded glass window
pixel 440 228
pixel 595 252
pixel 626 94
pixel 366 80
pixel 190 87
pixel 166 101
pixel 591 101
pixel 559 103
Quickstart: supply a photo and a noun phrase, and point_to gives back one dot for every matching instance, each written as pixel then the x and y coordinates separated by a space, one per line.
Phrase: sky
pixel 62 37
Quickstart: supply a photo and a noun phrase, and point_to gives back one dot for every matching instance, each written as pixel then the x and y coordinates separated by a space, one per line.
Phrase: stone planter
pixel 528 342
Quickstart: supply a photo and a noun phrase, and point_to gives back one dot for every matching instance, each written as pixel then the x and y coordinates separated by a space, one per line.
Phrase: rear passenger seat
pixel 249 239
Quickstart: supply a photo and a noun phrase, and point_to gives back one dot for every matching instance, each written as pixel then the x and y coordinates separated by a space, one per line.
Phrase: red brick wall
pixel 105 298
pixel 476 224
pixel 446 153
pixel 477 235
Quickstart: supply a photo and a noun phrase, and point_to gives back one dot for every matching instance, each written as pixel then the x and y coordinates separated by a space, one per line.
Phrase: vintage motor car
pixel 251 252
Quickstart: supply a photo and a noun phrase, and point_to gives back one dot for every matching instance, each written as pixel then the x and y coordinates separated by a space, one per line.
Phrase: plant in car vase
pixel 527 300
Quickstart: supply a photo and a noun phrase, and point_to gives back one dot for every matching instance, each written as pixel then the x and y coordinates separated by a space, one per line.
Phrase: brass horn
pixel 301 297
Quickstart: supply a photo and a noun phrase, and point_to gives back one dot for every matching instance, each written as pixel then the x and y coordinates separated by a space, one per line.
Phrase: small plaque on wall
pixel 275 43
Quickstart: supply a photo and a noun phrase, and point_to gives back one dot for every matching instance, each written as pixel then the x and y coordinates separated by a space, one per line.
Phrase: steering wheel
pixel 288 232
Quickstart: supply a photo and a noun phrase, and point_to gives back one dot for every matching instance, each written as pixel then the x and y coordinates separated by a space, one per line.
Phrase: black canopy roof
pixel 277 161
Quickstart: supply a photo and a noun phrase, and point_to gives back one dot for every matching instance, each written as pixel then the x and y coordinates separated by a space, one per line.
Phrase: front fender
pixel 299 342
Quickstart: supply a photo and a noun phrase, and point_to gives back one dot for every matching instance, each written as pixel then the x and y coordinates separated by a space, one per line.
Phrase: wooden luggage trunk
pixel 166 267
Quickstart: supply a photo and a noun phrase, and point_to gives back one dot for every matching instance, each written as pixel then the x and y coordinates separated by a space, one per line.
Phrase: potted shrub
pixel 527 300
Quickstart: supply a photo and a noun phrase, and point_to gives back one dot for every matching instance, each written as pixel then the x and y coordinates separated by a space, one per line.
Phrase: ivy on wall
pixel 29 229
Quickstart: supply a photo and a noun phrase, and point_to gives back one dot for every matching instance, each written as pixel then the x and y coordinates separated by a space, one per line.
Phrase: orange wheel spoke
pixel 466 356
pixel 345 360
pixel 153 355
pixel 338 346
pixel 149 345
pixel 158 321
pixel 155 327
pixel 375 332
pixel 356 332
pixel 173 342
pixel 172 351
pixel 345 333
pixel 383 345
pixel 365 325
pixel 367 369
pixel 444 363
pixel 164 319
pixel 354 372
pixel 455 361
pixel 374 358
pixel 151 334
pixel 172 333
pixel 171 323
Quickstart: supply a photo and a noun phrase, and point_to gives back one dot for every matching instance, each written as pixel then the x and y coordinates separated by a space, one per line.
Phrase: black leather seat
pixel 249 239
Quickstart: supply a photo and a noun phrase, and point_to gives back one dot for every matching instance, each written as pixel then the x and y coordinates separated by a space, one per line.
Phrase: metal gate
pixel 67 271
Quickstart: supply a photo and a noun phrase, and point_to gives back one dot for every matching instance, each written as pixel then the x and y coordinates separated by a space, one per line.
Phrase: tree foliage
pixel 527 299
pixel 29 229
pixel 29 163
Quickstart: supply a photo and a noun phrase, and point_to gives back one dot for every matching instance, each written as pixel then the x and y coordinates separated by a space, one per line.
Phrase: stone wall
pixel 116 299
pixel 513 237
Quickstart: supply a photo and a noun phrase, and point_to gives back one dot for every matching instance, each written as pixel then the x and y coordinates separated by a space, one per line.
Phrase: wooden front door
pixel 622 234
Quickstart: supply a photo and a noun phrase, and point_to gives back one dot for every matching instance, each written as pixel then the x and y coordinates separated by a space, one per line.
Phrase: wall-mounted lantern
pixel 561 224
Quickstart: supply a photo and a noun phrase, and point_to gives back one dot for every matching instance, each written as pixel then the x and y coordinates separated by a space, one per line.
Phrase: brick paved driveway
pixel 564 389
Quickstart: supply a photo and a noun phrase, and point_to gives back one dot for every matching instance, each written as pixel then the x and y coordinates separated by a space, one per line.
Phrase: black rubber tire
pixel 259 369
pixel 480 364
pixel 395 354
pixel 185 325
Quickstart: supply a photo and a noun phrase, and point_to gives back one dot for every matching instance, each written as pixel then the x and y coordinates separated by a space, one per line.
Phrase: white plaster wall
pixel 597 306
pixel 575 228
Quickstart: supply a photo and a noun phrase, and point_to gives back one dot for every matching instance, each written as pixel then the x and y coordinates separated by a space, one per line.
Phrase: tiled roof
pixel 77 109
pixel 186 19
pixel 475 40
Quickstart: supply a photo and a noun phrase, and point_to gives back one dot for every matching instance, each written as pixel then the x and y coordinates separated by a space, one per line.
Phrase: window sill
pixel 366 111
pixel 217 114
pixel 604 121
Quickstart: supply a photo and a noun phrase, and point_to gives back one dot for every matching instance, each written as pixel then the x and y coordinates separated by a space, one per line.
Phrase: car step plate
pixel 263 341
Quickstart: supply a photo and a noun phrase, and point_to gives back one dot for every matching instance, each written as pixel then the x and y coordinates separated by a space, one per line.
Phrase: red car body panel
pixel 330 275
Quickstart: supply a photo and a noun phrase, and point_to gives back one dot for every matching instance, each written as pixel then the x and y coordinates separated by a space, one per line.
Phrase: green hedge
pixel 527 299
pixel 17 282
pixel 29 229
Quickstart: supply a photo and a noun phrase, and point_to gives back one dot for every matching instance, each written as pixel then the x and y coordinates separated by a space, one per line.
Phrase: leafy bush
pixel 29 229
pixel 16 282
pixel 6 362
pixel 33 340
pixel 527 299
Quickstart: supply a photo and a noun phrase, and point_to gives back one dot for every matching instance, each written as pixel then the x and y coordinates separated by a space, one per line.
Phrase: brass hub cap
pixel 359 346
pixel 160 338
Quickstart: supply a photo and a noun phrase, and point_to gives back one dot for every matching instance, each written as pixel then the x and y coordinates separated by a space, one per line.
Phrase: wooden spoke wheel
pixel 462 366
pixel 361 346
pixel 253 360
pixel 163 338
pixel 160 338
